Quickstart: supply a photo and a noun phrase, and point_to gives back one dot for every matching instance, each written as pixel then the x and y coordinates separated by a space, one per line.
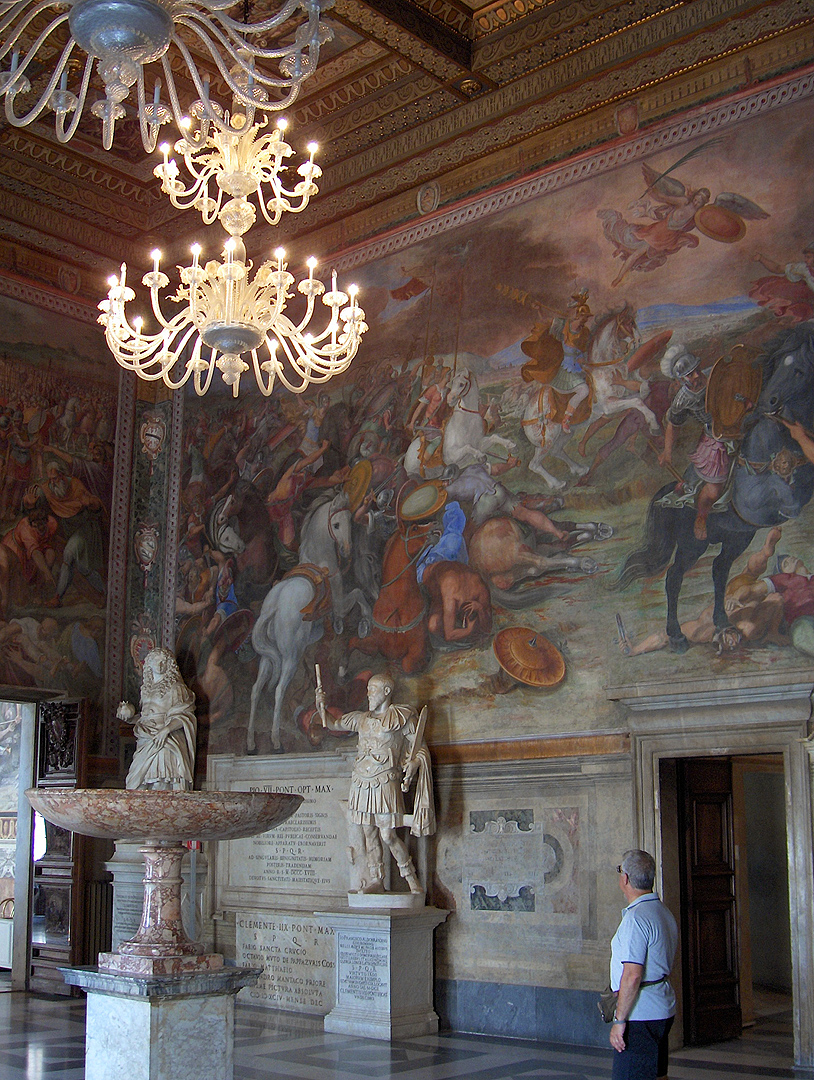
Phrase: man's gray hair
pixel 640 868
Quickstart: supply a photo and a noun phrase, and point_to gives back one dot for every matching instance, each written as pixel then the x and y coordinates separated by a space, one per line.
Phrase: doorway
pixel 725 873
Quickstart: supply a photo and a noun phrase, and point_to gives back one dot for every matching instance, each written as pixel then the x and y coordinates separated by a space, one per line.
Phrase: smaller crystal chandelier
pixel 232 315
pixel 235 160
pixel 123 36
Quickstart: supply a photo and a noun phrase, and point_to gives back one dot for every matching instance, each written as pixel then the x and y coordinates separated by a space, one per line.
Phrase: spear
pixel 687 157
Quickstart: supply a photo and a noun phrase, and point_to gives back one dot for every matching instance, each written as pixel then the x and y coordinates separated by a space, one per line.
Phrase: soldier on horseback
pixel 719 408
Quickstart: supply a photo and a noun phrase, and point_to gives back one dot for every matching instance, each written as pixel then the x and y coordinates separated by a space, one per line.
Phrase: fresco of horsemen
pixel 406 517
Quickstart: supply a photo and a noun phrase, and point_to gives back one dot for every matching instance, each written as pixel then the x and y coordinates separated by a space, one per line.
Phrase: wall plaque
pixel 297 954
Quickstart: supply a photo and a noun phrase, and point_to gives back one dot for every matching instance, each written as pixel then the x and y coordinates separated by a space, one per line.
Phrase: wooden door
pixel 708 900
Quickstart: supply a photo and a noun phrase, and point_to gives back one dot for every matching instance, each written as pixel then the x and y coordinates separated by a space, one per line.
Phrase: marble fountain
pixel 160 1005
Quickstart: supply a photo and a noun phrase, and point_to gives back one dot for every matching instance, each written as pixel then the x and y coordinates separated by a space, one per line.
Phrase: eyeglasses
pixel 619 870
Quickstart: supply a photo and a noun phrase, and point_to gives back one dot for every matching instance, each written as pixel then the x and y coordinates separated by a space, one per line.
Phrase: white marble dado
pixel 384 972
pixel 306 856
pixel 296 953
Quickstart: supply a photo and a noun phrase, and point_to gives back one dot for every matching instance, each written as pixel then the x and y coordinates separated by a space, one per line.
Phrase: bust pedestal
pixel 384 972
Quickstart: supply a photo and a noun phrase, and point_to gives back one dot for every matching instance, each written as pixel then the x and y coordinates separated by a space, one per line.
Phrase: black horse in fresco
pixel 772 482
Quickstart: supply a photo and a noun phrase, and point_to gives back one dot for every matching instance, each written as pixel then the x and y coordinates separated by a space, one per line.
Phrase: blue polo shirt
pixel 647 935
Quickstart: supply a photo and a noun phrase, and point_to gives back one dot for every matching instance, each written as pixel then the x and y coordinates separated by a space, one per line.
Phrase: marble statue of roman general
pixel 165 728
pixel 391 755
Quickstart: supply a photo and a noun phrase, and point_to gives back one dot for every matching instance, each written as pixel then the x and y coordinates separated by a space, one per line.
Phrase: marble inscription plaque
pixel 364 968
pixel 297 954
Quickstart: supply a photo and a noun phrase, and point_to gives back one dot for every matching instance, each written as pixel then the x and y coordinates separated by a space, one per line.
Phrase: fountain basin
pixel 163 816
pixel 161 821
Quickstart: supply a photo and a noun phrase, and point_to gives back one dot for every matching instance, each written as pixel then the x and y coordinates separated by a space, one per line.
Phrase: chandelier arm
pixel 172 92
pixel 271 23
pixel 201 388
pixel 34 112
pixel 206 31
pixel 66 134
pixel 267 386
pixel 7 20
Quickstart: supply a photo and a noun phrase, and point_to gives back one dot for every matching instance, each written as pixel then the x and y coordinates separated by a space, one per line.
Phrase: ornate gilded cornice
pixel 347 133
pixel 505 116
pixel 453 14
pixel 47 299
pixel 329 106
pixel 435 33
pixel 27 223
pixel 372 24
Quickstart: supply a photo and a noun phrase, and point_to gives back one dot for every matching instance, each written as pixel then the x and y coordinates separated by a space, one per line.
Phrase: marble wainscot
pixel 160 1004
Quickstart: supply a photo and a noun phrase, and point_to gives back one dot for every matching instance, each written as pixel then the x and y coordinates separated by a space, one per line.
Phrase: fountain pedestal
pixel 168 1027
pixel 160 1008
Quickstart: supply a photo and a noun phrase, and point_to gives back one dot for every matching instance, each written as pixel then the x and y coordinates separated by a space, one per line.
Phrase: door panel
pixel 709 916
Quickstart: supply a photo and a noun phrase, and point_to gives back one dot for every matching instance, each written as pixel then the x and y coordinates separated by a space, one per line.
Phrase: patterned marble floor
pixel 43 1039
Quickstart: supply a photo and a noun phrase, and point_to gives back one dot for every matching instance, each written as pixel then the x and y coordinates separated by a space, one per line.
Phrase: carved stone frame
pixel 728 721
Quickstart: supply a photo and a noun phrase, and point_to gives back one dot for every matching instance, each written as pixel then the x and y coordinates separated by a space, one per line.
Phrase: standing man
pixel 642 953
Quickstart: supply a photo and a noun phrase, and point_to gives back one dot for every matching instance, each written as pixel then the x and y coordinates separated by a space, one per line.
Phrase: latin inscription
pixel 306 852
pixel 364 969
pixel 297 955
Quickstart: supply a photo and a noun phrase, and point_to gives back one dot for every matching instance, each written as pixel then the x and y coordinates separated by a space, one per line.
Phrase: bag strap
pixel 655 982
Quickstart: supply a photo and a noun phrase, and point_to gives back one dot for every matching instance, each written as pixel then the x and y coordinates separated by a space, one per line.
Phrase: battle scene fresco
pixel 553 405
pixel 56 482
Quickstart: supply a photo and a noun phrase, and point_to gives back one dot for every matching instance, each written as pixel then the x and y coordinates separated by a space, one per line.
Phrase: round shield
pixel 423 503
pixel 529 657
pixel 649 351
pixel 720 224
pixel 357 483
pixel 732 391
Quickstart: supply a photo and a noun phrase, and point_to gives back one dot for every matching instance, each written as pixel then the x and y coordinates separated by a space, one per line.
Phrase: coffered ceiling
pixel 415 103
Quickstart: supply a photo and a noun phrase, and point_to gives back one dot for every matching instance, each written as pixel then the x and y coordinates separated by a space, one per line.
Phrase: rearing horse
pixel 612 339
pixel 292 614
pixel 772 483
pixel 399 619
pixel 464 441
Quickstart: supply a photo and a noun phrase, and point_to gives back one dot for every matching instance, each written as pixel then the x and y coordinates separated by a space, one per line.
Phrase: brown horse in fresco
pixel 400 630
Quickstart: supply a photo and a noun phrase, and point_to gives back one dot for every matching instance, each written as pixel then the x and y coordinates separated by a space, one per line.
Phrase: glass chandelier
pixel 235 160
pixel 231 315
pixel 123 36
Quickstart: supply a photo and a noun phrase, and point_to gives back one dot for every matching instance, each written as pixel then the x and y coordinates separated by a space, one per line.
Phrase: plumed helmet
pixel 678 363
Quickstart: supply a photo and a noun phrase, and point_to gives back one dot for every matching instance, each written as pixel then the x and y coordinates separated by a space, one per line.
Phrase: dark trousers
pixel 645 1053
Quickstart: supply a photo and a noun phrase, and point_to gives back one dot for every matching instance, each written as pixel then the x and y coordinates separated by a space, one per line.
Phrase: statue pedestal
pixel 171 1027
pixel 384 972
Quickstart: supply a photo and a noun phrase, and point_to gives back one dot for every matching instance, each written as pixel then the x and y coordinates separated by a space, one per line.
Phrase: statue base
pixel 384 971
pixel 385 901
pixel 143 1027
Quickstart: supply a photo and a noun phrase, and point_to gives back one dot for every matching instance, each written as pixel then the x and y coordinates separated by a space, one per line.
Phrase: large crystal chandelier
pixel 123 36
pixel 227 312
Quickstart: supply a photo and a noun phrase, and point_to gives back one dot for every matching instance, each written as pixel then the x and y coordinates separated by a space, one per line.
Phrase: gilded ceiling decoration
pixel 410 92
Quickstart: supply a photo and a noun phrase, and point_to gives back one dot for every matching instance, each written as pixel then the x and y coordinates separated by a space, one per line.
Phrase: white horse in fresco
pixel 464 441
pixel 284 629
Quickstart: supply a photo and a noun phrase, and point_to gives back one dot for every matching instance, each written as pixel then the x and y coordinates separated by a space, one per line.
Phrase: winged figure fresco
pixel 674 211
